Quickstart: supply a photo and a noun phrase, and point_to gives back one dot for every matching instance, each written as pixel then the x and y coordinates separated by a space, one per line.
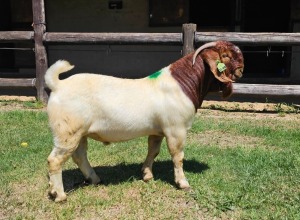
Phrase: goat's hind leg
pixel 61 152
pixel 80 158
pixel 154 143
pixel 56 159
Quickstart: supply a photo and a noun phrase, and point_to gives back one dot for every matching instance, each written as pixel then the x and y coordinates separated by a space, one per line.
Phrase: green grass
pixel 240 166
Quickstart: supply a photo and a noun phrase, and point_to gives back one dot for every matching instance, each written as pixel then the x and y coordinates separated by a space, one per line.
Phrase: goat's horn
pixel 204 46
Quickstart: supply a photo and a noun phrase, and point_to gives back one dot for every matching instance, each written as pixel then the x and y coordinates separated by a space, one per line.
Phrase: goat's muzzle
pixel 238 73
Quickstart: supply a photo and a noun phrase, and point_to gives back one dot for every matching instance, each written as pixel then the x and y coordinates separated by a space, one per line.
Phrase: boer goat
pixel 110 109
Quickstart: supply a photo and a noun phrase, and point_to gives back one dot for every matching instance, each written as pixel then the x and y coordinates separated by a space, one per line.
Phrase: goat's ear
pixel 212 59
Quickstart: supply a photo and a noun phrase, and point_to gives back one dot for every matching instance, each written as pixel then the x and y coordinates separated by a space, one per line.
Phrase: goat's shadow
pixel 162 170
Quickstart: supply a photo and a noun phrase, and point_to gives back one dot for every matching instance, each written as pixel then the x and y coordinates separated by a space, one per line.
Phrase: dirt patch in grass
pixel 10 103
pixel 3 215
pixel 249 106
pixel 225 140
pixel 249 110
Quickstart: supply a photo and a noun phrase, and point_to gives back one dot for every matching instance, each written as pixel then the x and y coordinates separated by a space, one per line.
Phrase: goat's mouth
pixel 238 73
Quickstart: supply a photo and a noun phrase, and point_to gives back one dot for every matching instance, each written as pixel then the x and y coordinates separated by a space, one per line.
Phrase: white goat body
pixel 111 109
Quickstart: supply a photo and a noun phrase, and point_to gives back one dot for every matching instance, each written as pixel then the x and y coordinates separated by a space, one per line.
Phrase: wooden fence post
pixel 188 38
pixel 41 62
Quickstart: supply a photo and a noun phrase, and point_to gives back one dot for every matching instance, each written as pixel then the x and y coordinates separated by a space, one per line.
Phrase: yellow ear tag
pixel 221 66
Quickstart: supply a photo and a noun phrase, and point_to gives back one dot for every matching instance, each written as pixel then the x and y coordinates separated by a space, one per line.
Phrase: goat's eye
pixel 224 55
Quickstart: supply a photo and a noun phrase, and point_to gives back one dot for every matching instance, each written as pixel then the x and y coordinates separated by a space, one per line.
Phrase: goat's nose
pixel 238 73
pixel 241 72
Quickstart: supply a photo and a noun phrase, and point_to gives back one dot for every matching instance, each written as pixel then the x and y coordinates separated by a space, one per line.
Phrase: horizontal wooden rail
pixel 8 82
pixel 113 38
pixel 252 39
pixel 266 89
pixel 287 39
pixel 259 90
pixel 284 39
pixel 9 36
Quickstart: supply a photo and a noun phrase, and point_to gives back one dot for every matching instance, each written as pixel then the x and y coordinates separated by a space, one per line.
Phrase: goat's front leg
pixel 80 158
pixel 175 143
pixel 154 143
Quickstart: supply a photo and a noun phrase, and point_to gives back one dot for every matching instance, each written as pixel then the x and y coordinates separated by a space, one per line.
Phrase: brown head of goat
pixel 211 68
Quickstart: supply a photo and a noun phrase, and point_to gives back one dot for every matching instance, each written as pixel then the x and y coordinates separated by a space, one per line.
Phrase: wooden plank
pixel 239 88
pixel 9 36
pixel 188 38
pixel 266 89
pixel 114 38
pixel 287 39
pixel 41 62
pixel 9 82
pixel 283 39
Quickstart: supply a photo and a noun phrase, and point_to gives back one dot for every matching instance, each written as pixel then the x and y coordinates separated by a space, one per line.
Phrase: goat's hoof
pixel 57 197
pixel 94 180
pixel 61 198
pixel 147 177
pixel 87 182
pixel 183 184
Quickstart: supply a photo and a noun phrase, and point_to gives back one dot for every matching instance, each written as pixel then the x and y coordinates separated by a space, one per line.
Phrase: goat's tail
pixel 51 76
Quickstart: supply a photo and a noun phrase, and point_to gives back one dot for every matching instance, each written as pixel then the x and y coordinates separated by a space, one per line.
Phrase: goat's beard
pixel 226 89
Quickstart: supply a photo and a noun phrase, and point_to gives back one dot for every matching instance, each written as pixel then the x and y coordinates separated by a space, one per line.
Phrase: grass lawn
pixel 241 165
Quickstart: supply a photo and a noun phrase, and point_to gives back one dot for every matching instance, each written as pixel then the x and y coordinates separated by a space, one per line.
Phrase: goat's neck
pixel 190 78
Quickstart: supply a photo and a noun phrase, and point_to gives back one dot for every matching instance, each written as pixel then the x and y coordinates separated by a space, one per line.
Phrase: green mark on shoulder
pixel 154 75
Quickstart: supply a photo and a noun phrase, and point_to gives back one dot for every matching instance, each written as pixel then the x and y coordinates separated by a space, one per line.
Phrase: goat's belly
pixel 120 135
pixel 115 132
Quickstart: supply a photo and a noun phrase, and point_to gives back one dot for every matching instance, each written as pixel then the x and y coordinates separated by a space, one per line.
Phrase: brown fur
pixel 198 80
pixel 189 77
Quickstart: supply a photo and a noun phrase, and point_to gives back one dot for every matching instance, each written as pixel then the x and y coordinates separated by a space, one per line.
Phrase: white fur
pixel 112 109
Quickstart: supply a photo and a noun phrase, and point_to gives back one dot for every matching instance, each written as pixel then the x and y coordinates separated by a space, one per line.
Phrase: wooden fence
pixel 187 39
